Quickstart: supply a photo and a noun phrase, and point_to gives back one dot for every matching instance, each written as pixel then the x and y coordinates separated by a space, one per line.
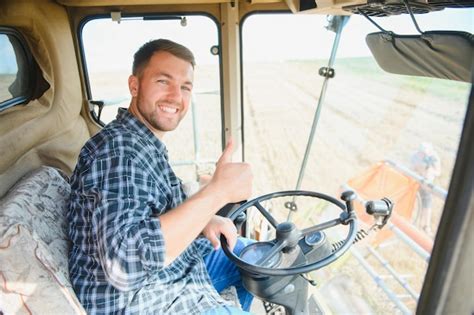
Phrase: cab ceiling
pixel 296 6
pixel 331 7
pixel 102 3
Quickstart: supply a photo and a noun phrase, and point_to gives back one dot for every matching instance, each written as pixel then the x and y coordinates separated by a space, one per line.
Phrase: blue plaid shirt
pixel 120 186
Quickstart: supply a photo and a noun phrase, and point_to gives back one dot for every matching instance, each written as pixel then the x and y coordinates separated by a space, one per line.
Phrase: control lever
pixel 346 216
pixel 381 210
pixel 349 196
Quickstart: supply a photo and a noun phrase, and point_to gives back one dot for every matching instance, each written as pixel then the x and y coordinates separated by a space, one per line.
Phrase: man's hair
pixel 144 54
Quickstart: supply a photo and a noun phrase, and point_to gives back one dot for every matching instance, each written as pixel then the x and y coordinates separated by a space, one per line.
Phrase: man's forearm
pixel 232 182
pixel 181 225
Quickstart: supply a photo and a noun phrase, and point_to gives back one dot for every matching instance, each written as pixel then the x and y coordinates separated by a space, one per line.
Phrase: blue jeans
pixel 226 310
pixel 224 273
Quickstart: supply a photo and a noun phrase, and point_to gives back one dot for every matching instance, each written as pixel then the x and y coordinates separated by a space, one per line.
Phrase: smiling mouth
pixel 167 109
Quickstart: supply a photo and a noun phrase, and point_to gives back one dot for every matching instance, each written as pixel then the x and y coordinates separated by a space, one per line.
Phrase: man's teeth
pixel 168 109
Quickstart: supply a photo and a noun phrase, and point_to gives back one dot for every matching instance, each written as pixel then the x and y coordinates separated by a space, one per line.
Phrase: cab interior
pixel 309 105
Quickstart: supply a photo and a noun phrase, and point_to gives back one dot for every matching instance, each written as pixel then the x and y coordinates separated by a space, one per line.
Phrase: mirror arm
pixel 412 16
pixel 372 21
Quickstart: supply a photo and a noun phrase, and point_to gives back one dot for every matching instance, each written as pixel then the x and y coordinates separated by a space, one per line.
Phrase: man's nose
pixel 174 92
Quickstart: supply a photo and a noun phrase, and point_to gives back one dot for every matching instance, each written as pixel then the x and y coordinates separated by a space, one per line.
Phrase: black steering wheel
pixel 288 236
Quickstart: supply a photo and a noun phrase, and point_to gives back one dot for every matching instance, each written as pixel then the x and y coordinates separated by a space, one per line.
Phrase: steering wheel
pixel 288 235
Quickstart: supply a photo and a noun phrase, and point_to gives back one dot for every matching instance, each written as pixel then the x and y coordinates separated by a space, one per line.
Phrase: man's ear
pixel 133 85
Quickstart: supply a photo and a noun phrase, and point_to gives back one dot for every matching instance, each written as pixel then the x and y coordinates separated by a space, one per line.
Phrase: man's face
pixel 162 92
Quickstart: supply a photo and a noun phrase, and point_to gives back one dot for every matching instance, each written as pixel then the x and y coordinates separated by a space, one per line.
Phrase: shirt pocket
pixel 177 193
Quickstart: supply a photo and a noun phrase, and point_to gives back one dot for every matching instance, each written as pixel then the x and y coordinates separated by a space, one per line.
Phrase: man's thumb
pixel 226 156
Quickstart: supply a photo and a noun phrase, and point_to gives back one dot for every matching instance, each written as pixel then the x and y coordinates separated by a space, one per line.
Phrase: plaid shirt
pixel 120 186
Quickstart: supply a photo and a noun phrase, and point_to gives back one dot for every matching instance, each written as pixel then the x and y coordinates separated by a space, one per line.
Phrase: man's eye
pixel 162 81
pixel 186 88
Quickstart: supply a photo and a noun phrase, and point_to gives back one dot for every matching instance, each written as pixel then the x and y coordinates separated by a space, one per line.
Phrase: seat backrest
pixel 34 247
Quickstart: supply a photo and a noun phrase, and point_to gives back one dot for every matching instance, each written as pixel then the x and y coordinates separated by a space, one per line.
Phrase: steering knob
pixel 349 196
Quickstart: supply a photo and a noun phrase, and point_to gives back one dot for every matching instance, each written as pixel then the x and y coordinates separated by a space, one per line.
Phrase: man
pixel 136 246
pixel 426 163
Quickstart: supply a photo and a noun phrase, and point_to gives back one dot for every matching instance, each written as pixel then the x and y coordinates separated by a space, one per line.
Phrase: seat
pixel 34 246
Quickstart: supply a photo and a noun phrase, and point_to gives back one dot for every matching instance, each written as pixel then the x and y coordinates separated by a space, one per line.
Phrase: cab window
pixel 379 134
pixel 108 49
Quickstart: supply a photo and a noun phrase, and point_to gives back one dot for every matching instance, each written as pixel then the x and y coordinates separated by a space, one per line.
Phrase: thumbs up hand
pixel 232 181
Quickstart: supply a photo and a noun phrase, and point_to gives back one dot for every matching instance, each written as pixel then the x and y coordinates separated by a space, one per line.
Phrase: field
pixel 368 116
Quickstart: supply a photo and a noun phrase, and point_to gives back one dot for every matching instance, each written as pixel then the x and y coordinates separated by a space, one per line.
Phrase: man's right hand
pixel 232 181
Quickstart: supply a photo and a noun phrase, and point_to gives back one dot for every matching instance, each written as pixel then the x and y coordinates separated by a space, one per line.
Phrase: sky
pixel 319 41
pixel 122 40
pixel 7 56
pixel 110 46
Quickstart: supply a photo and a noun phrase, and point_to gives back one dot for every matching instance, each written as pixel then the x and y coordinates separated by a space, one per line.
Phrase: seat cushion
pixel 34 247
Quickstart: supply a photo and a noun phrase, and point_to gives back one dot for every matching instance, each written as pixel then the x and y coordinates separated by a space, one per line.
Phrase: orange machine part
pixel 380 181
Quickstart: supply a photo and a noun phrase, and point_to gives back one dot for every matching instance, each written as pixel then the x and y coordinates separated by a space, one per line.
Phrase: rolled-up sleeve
pixel 128 236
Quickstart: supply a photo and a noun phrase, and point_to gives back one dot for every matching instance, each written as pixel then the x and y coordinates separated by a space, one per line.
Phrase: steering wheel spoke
pixel 320 227
pixel 266 214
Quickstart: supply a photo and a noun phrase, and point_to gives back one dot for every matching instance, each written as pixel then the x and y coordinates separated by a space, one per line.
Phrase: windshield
pixel 380 134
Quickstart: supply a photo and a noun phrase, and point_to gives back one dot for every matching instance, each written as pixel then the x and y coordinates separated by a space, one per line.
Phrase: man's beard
pixel 152 118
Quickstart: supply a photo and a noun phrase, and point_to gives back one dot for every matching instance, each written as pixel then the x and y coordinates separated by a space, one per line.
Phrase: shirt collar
pixel 131 122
